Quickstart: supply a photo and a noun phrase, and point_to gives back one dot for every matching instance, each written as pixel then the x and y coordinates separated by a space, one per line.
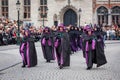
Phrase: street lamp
pixel 43 15
pixel 79 11
pixel 18 10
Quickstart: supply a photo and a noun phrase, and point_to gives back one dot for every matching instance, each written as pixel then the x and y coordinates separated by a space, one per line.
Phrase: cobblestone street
pixel 50 71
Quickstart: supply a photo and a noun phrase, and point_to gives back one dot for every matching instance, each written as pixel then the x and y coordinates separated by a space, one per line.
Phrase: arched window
pixel 116 15
pixel 102 13
pixel 5 8
pixel 27 9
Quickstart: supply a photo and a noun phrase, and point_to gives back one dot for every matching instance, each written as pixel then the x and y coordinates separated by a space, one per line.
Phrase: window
pixel 102 13
pixel 43 8
pixel 115 0
pixel 4 8
pixel 116 15
pixel 27 9
pixel 116 9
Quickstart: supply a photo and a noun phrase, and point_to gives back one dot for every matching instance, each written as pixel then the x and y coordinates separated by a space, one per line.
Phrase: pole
pixel 43 13
pixel 43 20
pixel 18 38
pixel 109 13
pixel 109 2
pixel 79 20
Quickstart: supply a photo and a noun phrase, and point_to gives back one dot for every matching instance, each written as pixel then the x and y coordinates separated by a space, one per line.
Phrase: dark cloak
pixel 28 52
pixel 99 49
pixel 48 46
pixel 89 51
pixel 73 40
pixel 95 52
pixel 83 37
pixel 78 39
pixel 63 48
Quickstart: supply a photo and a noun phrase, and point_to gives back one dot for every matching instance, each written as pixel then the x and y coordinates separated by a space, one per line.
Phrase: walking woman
pixel 47 45
pixel 28 51
pixel 90 48
pixel 99 48
pixel 62 47
pixel 94 49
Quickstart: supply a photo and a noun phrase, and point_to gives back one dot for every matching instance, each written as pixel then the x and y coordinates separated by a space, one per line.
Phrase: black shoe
pixel 89 68
pixel 61 67
pixel 58 64
pixel 23 66
pixel 48 61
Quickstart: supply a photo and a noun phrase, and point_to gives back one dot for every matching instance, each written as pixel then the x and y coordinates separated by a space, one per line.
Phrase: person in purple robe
pixel 94 49
pixel 62 47
pixel 73 39
pixel 78 39
pixel 47 45
pixel 99 48
pixel 90 48
pixel 83 41
pixel 28 51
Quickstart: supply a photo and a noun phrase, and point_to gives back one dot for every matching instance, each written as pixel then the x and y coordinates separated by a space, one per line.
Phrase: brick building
pixel 106 12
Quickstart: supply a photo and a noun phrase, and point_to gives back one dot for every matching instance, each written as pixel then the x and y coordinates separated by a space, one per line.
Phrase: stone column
pixel 109 17
pixel 96 18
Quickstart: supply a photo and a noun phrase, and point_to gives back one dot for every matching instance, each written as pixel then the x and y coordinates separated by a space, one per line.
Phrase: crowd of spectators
pixel 9 31
pixel 112 32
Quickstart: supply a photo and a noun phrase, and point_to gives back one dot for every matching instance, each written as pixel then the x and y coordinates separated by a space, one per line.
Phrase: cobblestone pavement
pixel 77 70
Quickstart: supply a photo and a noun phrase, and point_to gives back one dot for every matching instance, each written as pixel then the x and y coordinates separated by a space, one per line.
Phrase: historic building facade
pixel 53 11
pixel 106 12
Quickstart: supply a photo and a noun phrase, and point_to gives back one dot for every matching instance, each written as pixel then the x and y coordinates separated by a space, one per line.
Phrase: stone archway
pixel 66 8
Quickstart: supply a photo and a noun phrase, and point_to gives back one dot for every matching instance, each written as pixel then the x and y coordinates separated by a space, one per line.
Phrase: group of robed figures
pixel 59 45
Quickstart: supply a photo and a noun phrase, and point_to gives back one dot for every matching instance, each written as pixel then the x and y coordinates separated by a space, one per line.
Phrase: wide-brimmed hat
pixel 46 28
pixel 88 28
pixel 61 25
